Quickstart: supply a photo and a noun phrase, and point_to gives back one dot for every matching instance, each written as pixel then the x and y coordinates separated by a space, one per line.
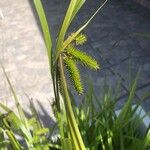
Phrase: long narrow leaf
pixel 65 24
pixel 69 40
pixel 3 142
pixel 17 123
pixel 14 142
pixel 126 110
pixel 45 29
pixel 74 35
pixel 79 4
pixel 74 130
pixel 20 110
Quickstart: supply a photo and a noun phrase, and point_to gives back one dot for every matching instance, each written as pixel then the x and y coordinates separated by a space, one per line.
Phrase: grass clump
pixel 93 125
pixel 104 128
pixel 100 125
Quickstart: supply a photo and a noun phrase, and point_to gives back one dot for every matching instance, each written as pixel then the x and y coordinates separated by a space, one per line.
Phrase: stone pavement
pixel 23 54
pixel 113 39
pixel 145 3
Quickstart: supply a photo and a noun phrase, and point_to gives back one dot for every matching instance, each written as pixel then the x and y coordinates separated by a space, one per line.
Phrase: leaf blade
pixel 45 29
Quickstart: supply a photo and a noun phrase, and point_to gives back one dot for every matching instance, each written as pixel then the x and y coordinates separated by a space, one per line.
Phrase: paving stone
pixel 24 56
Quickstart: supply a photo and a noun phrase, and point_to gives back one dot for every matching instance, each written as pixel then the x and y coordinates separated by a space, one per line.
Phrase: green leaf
pixel 32 121
pixel 126 111
pixel 69 40
pixel 14 142
pixel 42 131
pixel 38 131
pixel 79 4
pixel 56 146
pixel 3 142
pixel 147 139
pixel 37 124
pixel 65 24
pixel 20 110
pixel 16 123
pixel 66 144
pixel 73 127
pixel 45 29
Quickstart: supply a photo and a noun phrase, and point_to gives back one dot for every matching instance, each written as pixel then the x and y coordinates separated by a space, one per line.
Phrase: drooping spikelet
pixel 83 57
pixel 81 39
pixel 74 74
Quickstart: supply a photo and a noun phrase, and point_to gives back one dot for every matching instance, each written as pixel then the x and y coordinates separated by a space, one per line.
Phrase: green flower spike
pixel 83 58
pixel 81 39
pixel 74 74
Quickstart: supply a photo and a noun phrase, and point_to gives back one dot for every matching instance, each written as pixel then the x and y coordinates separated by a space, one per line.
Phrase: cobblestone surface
pixel 145 3
pixel 113 39
pixel 23 55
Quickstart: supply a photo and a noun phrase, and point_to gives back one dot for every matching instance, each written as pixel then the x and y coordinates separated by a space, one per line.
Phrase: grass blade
pixel 45 29
pixel 65 24
pixel 20 110
pixel 79 4
pixel 14 142
pixel 69 40
pixel 147 139
pixel 17 123
pixel 67 145
pixel 74 130
pixel 3 142
pixel 61 46
pixel 126 110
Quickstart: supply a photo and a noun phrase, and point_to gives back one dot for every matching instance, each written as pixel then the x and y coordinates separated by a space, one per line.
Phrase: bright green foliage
pixel 12 125
pixel 74 74
pixel 73 8
pixel 3 142
pixel 31 130
pixel 67 144
pixel 36 137
pixel 102 128
pixel 61 46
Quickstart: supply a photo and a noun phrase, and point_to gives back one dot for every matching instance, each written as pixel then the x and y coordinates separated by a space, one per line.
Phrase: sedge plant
pixel 65 55
pixel 101 126
pixel 80 127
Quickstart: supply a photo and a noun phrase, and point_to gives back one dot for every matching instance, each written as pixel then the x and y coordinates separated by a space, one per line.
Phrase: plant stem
pixel 73 127
pixel 55 86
